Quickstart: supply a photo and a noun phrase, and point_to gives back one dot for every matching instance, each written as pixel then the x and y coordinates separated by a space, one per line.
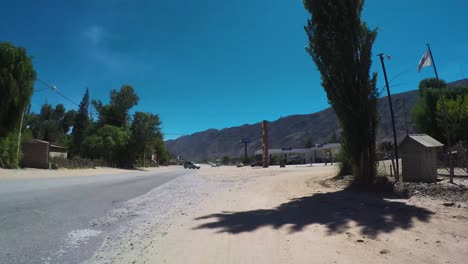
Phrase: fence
pixel 386 165
pixel 459 155
pixel 76 163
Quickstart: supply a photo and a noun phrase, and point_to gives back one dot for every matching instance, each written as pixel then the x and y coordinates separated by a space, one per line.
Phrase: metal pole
pixel 397 171
pixel 444 109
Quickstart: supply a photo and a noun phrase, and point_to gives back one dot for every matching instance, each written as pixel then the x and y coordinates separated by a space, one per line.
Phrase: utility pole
pixel 265 143
pixel 395 143
pixel 447 133
pixel 245 141
pixel 19 137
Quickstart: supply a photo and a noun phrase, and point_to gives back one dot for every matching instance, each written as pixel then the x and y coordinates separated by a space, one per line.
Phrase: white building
pixel 315 154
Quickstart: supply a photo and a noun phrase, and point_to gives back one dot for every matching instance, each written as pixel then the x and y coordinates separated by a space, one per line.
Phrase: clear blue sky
pixel 207 63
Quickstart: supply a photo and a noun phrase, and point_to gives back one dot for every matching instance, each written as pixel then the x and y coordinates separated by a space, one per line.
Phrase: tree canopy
pixel 428 113
pixel 80 128
pixel 341 46
pixel 431 83
pixel 17 77
pixel 116 113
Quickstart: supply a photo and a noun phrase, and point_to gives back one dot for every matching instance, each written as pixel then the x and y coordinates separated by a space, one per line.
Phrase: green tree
pixel 428 114
pixel 48 127
pixel 50 124
pixel 341 46
pixel 145 131
pixel 109 143
pixel 163 155
pixel 17 77
pixel 431 83
pixel 116 112
pixel 68 121
pixel 81 126
pixel 457 116
pixel 8 148
pixel 423 113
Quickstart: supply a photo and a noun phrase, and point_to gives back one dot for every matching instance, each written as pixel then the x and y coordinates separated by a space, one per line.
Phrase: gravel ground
pixel 151 215
pixel 457 192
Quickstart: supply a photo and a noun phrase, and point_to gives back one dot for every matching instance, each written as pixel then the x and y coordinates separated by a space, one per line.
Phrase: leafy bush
pixel 8 148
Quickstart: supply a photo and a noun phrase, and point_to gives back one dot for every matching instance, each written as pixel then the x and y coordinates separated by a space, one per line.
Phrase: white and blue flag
pixel 425 61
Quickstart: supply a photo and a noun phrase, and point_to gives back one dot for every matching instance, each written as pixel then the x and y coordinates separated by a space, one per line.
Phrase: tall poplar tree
pixel 340 44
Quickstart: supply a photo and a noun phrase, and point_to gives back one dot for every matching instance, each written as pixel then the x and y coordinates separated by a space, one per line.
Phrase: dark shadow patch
pixel 371 212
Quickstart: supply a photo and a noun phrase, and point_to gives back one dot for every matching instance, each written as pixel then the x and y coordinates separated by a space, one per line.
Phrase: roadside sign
pixel 245 140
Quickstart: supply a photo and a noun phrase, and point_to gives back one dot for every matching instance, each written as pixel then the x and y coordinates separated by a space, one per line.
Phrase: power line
pixel 40 90
pixel 53 88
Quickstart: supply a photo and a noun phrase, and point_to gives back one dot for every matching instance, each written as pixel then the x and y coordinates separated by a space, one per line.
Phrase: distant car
pixel 217 164
pixel 191 165
pixel 257 163
pixel 239 164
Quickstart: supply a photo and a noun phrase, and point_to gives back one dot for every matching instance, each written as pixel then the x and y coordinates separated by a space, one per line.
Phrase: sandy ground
pixel 30 173
pixel 291 216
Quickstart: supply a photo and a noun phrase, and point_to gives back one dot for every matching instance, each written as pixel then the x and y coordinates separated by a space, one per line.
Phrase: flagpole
pixel 444 109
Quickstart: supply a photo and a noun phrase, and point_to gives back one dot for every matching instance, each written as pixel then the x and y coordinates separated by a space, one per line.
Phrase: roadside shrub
pixel 8 148
pixel 344 162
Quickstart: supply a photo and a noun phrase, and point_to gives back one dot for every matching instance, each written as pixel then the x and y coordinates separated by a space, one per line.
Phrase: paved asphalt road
pixel 36 215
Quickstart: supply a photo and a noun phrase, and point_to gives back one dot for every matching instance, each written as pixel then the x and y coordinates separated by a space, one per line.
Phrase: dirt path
pixel 290 216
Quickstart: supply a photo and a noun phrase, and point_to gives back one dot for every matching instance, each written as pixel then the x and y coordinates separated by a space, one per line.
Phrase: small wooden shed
pixel 37 153
pixel 419 158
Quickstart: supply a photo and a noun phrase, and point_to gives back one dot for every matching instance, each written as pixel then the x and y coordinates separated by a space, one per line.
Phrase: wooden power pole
pixel 395 142
pixel 265 143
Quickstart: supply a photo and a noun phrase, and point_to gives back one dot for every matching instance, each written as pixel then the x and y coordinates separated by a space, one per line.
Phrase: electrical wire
pixel 55 90
pixel 40 90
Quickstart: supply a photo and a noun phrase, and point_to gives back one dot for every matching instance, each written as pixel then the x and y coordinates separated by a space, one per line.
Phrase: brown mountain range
pixel 293 131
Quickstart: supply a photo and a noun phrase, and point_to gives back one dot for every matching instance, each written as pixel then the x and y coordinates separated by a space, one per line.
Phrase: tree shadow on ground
pixel 371 212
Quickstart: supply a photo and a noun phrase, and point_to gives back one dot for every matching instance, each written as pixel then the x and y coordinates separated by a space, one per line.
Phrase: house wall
pixel 35 155
pixel 418 162
pixel 58 154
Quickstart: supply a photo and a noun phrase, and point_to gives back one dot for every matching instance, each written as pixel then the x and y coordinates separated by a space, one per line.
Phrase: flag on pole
pixel 425 61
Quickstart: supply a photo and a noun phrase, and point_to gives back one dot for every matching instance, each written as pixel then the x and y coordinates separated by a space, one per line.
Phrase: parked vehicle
pixel 257 163
pixel 191 165
pixel 239 164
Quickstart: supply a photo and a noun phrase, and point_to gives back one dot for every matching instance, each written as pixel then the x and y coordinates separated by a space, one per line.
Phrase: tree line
pixel 428 113
pixel 114 136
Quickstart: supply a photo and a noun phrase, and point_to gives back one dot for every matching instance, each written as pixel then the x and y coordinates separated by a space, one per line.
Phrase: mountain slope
pixel 293 131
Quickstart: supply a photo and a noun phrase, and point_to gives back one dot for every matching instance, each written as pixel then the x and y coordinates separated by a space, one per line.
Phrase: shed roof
pixel 426 140
pixel 57 146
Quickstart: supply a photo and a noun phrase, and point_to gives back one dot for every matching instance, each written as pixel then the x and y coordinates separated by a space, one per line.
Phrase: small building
pixel 37 153
pixel 303 155
pixel 419 158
